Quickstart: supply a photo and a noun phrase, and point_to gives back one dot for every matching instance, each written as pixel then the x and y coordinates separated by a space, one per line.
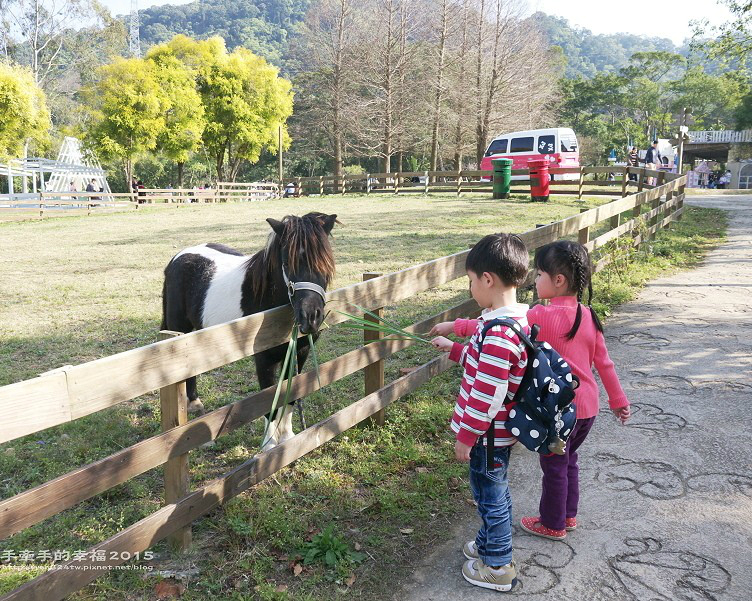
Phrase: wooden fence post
pixel 582 181
pixel 397 182
pixel 368 183
pixel 680 204
pixel 624 181
pixel 641 179
pixel 298 187
pixel 669 197
pixel 459 182
pixel 174 404
pixel 374 373
pixel 425 189
pixel 584 234
pixel 321 185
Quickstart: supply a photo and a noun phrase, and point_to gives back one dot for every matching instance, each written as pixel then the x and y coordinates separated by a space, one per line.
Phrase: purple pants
pixel 561 482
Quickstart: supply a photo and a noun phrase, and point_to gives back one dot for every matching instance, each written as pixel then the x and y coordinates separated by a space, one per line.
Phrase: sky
pixel 662 18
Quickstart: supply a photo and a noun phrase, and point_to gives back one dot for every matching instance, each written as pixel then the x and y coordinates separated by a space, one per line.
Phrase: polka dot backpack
pixel 543 412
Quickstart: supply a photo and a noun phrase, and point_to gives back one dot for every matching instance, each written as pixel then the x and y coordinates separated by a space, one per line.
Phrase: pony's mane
pixel 307 245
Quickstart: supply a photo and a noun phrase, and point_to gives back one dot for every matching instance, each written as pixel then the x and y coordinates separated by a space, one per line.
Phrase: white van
pixel 559 144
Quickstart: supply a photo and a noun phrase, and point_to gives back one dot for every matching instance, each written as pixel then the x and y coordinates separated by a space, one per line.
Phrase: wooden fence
pixel 580 181
pixel 71 392
pixel 57 204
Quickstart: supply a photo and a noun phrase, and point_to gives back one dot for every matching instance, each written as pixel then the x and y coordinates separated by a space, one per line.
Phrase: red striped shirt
pixel 492 374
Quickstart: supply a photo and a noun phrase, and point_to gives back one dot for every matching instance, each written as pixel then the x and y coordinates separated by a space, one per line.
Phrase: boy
pixel 495 266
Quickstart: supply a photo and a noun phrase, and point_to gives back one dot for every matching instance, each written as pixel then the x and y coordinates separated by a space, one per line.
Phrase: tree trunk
pixel 221 165
pixel 479 87
pixel 439 86
pixel 181 169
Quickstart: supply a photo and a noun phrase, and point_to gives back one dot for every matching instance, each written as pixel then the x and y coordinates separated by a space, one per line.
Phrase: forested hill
pixel 588 53
pixel 265 27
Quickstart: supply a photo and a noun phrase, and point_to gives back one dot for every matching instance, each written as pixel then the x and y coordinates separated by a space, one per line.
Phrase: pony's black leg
pixel 174 318
pixel 191 389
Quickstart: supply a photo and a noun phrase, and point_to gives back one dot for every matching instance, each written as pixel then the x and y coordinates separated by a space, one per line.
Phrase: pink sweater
pixel 587 349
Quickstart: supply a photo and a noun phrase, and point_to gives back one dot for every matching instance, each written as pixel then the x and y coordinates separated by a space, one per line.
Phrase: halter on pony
pixel 293 287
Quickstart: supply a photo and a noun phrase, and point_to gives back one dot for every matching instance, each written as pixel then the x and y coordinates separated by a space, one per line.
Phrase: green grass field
pixel 76 289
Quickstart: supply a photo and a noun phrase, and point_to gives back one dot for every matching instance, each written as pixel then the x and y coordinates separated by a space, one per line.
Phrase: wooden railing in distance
pixel 566 180
pixel 73 391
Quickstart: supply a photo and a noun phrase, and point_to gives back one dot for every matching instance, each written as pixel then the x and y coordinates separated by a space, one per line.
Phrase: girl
pixel 563 275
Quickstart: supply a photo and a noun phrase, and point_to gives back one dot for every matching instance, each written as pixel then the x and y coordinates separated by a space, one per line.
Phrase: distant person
pixel 72 187
pixel 140 187
pixel 652 160
pixel 92 187
pixel 724 180
pixel 633 160
pixel 290 190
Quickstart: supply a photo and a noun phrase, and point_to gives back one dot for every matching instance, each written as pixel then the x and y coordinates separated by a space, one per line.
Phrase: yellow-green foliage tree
pixel 23 112
pixel 184 121
pixel 244 99
pixel 127 109
pixel 246 102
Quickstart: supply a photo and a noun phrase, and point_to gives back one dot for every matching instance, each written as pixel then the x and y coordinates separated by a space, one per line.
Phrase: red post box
pixel 539 179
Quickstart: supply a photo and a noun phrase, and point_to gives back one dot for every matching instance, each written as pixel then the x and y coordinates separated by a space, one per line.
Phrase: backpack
pixel 543 416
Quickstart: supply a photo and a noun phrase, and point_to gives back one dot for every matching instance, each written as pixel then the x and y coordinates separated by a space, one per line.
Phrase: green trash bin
pixel 502 177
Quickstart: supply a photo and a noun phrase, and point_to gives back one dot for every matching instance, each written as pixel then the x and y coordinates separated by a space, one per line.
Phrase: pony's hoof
pixel 196 407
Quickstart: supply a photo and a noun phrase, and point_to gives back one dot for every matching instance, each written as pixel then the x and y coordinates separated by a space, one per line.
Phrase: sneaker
pixel 500 579
pixel 570 524
pixel 533 526
pixel 470 550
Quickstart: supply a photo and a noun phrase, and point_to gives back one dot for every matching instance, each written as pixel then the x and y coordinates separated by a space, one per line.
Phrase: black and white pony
pixel 211 284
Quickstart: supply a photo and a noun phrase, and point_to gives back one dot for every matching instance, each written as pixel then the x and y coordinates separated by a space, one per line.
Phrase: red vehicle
pixel 559 144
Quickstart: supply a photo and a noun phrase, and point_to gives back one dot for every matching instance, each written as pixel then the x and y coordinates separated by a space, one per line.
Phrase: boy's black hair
pixel 571 260
pixel 502 254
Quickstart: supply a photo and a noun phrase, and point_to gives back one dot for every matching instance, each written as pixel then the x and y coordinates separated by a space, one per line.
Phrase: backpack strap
pixel 515 326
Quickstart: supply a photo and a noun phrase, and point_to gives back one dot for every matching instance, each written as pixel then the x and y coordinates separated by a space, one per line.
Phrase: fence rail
pixel 49 204
pixel 566 180
pixel 70 392
pixel 721 136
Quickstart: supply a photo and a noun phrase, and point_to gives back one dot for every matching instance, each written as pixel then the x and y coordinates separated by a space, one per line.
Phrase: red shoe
pixel 533 526
pixel 570 524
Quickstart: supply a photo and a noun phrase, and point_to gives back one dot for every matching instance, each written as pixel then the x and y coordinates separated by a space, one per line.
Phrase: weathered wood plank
pixel 34 505
pixel 34 405
pixel 54 585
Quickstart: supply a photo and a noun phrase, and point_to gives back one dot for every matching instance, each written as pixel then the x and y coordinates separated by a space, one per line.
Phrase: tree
pixel 443 34
pixel 184 121
pixel 25 118
pixel 713 99
pixel 42 34
pixel 127 108
pixel 324 58
pixel 246 102
pixel 731 42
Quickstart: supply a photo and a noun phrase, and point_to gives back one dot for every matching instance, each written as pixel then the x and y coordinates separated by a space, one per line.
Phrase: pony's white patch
pixel 222 302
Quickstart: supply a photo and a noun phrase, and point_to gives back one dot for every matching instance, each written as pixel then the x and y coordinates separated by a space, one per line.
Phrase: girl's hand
pixel 622 414
pixel 461 451
pixel 442 329
pixel 443 344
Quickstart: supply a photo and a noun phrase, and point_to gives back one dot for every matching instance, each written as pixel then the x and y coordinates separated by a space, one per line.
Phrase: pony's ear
pixel 277 226
pixel 329 221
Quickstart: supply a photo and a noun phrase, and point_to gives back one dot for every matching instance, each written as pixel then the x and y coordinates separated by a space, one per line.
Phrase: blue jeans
pixel 491 492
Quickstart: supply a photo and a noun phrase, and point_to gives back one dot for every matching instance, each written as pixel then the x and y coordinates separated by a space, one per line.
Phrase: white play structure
pixel 71 172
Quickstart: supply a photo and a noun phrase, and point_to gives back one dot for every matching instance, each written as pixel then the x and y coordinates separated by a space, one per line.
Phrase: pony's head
pixel 300 246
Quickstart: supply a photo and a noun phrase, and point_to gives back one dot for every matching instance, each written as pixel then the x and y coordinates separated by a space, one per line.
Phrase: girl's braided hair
pixel 571 260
